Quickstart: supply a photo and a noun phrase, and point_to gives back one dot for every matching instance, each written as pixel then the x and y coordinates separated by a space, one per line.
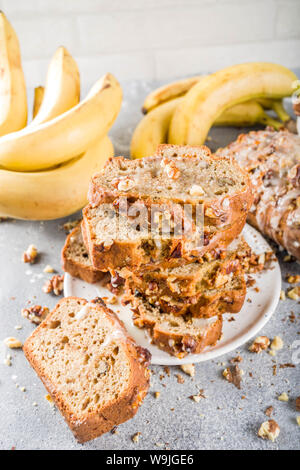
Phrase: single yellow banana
pixel 168 92
pixel 37 100
pixel 153 129
pixel 51 194
pixel 247 113
pixel 209 98
pixel 62 91
pixel 13 100
pixel 66 136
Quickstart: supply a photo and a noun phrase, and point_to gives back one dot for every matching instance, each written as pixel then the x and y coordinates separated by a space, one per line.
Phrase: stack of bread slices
pixel 168 228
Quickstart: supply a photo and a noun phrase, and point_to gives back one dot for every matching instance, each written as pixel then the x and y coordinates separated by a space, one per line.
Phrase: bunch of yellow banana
pixel 46 166
pixel 183 111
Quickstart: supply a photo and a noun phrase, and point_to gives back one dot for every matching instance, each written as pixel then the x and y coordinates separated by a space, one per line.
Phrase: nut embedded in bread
pixel 177 335
pixel 177 175
pixel 115 242
pixel 93 370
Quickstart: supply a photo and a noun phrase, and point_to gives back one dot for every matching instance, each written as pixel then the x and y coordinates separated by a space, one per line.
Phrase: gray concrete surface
pixel 227 418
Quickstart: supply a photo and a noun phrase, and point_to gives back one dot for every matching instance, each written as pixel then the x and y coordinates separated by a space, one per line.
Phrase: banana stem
pixel 266 120
pixel 280 111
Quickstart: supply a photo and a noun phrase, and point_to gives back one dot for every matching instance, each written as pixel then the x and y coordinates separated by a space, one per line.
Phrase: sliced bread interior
pixel 178 336
pixel 76 260
pixel 93 370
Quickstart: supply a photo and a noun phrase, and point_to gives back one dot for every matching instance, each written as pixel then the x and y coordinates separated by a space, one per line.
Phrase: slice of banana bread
pixel 178 175
pixel 114 241
pixel 93 370
pixel 178 336
pixel 76 260
pixel 228 296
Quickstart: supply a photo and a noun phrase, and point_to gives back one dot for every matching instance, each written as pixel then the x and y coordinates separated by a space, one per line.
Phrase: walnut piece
pixel 294 293
pixel 135 438
pixel 188 369
pixel 125 184
pixel 269 430
pixel 48 269
pixel 277 343
pixel 233 375
pixel 196 190
pixel 55 285
pixel 36 314
pixel 283 397
pixel 29 256
pixel 298 403
pixel 259 344
pixel 12 343
pixel 269 411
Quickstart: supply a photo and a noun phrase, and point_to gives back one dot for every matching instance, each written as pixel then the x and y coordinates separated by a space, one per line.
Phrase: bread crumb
pixel 156 394
pixel 23 389
pixel 12 343
pixel 283 397
pixel 113 300
pixel 277 343
pixel 297 402
pixel 7 361
pixel 180 379
pixel 259 344
pixel 188 369
pixel 30 255
pixel 49 399
pixel 269 430
pixel 298 420
pixel 18 327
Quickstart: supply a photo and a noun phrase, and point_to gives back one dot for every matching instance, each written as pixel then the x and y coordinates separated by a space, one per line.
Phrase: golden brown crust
pixel 219 211
pixel 84 271
pixel 178 342
pixel 120 408
pixel 133 253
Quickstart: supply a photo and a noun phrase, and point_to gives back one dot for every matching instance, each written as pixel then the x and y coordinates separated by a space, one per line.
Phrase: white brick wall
pixel 154 39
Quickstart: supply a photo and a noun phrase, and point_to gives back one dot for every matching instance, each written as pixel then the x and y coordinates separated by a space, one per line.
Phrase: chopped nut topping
pixel 36 314
pixel 269 430
pixel 135 438
pixel 282 295
pixel 259 344
pixel 196 190
pixel 12 343
pixel 29 256
pixel 294 293
pixel 180 379
pixel 283 397
pixel 55 285
pixel 293 279
pixel 233 375
pixel 220 280
pixel 269 411
pixel 188 369
pixel 277 343
pixel 48 269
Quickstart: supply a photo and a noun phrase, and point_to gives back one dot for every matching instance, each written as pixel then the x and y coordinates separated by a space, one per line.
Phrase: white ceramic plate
pixel 248 322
